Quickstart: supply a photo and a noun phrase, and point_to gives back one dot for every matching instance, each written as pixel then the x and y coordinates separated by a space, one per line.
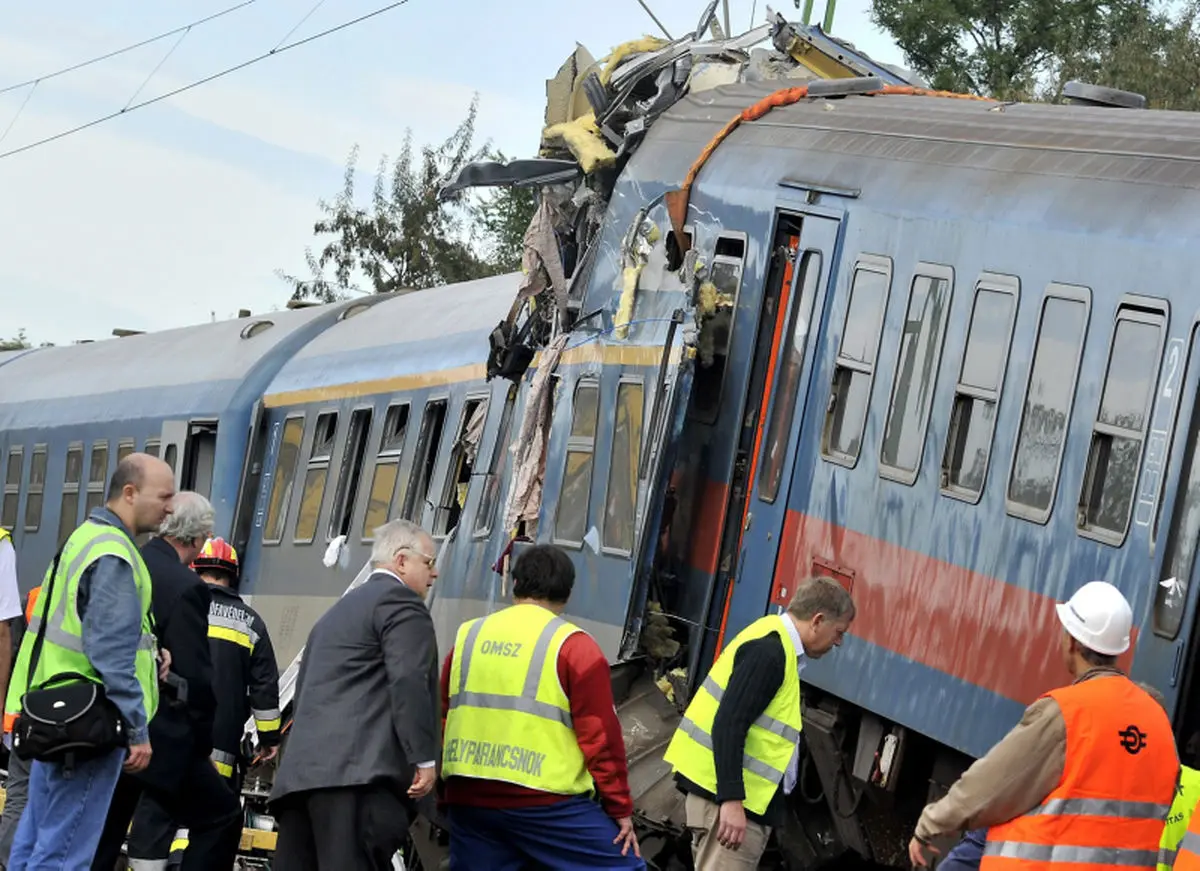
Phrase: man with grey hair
pixel 736 752
pixel 180 778
pixel 364 736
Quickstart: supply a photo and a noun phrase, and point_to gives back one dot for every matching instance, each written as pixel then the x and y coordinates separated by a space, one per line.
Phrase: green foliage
pixel 406 239
pixel 17 343
pixel 1027 49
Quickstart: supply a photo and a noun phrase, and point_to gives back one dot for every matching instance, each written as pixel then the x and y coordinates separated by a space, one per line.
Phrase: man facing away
pixel 736 752
pixel 100 611
pixel 530 732
pixel 1092 765
pixel 181 777
pixel 246 682
pixel 364 735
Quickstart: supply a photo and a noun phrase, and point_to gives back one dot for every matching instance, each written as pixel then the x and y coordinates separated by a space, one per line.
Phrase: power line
pixel 94 122
pixel 124 50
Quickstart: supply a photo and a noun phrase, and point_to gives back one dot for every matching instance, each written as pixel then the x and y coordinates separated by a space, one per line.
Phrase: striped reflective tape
pixel 755 766
pixel 1066 854
pixel 224 762
pixel 266 719
pixel 527 702
pixel 777 727
pixel 1101 807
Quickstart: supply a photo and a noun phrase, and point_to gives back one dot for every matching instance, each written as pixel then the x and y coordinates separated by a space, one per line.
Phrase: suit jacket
pixel 181 599
pixel 366 708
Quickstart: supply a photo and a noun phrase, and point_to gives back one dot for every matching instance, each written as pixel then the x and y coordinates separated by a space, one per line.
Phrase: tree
pixel 408 238
pixel 19 342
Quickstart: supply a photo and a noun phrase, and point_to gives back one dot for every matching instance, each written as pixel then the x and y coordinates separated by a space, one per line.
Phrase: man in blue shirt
pixel 63 819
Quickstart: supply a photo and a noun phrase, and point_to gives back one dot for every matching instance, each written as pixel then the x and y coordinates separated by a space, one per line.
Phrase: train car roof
pixel 435 330
pixel 185 371
pixel 1135 145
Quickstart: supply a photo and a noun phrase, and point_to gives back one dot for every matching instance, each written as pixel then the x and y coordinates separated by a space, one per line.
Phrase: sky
pixel 183 211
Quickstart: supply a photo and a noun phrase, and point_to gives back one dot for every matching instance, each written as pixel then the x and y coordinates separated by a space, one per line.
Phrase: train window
pixel 97 476
pixel 428 439
pixel 775 444
pixel 37 486
pixel 1049 396
pixel 491 486
pixel 152 447
pixel 350 474
pixel 462 462
pixel 387 470
pixel 1106 498
pixel 917 365
pixel 620 500
pixel 286 461
pixel 68 515
pixel 124 449
pixel 319 455
pixel 980 380
pixel 171 457
pixel 12 488
pixel 725 274
pixel 854 370
pixel 570 524
pixel 1183 536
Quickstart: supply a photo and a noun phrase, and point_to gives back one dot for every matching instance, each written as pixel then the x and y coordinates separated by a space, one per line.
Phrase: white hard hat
pixel 1098 616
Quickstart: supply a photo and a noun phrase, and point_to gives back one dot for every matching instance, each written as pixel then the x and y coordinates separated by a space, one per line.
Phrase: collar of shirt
pixel 792 631
pixel 390 574
pixel 107 517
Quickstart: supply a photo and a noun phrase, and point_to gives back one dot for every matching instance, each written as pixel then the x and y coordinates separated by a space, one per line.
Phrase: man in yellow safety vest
pixel 736 751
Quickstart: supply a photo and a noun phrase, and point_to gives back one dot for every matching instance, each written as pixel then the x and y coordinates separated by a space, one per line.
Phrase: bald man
pixel 102 572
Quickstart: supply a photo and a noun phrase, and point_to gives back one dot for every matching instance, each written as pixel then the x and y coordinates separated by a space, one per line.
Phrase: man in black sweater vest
pixel 736 753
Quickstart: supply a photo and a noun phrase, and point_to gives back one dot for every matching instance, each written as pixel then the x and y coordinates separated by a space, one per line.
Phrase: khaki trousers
pixel 703 821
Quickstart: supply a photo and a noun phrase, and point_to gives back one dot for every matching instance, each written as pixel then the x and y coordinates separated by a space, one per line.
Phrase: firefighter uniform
pixel 1116 789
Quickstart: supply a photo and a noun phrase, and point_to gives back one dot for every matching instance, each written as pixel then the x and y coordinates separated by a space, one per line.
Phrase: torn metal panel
pixel 528 172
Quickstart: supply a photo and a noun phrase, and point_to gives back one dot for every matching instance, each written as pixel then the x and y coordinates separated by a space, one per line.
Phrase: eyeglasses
pixel 430 561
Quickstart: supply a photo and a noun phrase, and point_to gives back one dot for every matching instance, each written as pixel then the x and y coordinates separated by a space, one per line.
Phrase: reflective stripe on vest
pixel 771 739
pixel 62 649
pixel 508 718
pixel 1187 793
pixel 1110 805
pixel 1187 858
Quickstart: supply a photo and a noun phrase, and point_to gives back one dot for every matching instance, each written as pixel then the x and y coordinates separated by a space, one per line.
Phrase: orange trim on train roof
pixel 590 353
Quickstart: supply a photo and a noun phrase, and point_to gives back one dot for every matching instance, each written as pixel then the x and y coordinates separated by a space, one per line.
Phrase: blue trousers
pixel 61 825
pixel 571 835
pixel 967 853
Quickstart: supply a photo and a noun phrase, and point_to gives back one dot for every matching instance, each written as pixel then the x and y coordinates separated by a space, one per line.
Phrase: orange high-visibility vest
pixel 30 603
pixel 1118 782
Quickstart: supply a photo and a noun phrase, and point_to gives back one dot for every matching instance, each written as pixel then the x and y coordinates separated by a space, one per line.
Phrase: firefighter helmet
pixel 218 554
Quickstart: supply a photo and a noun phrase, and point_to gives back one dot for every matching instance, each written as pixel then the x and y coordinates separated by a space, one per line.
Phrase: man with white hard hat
pixel 1087 777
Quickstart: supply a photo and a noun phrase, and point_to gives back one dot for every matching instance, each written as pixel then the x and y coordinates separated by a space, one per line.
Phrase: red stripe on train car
pixel 969 625
pixel 704 548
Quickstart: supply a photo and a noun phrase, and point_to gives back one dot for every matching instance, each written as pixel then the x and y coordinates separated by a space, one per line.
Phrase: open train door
pixel 669 401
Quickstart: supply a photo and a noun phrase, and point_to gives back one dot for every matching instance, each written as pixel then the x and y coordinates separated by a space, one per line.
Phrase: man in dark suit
pixel 180 777
pixel 364 737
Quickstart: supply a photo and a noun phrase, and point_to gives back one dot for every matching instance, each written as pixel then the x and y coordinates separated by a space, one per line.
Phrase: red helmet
pixel 217 553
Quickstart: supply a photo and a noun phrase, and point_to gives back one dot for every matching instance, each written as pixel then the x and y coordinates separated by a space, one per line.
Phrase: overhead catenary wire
pixel 126 49
pixel 217 75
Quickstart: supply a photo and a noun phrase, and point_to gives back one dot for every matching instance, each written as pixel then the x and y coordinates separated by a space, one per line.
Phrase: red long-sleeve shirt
pixel 584 675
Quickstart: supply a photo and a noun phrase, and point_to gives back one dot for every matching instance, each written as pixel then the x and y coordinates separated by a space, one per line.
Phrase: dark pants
pixel 345 829
pixel 203 803
pixel 571 835
pixel 152 834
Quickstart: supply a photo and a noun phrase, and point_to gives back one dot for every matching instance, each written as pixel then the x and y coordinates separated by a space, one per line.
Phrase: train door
pixel 785 393
pixel 1168 654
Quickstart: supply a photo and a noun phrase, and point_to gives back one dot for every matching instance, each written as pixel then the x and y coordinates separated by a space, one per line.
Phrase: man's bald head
pixel 140 492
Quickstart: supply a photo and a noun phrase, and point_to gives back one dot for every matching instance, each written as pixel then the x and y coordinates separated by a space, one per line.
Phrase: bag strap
pixel 44 599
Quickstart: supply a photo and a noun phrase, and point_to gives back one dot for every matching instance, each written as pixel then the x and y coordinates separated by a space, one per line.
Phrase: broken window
pixel 462 462
pixel 718 302
pixel 428 440
pixel 571 522
pixel 620 501
pixel 314 479
pixel 491 485
pixel 387 469
pixel 351 472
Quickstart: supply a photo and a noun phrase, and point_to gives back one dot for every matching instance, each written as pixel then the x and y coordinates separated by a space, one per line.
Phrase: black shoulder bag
pixel 67 717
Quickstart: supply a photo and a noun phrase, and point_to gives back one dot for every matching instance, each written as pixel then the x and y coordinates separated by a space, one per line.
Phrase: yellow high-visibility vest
pixel 508 717
pixel 62 649
pixel 1187 793
pixel 771 739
